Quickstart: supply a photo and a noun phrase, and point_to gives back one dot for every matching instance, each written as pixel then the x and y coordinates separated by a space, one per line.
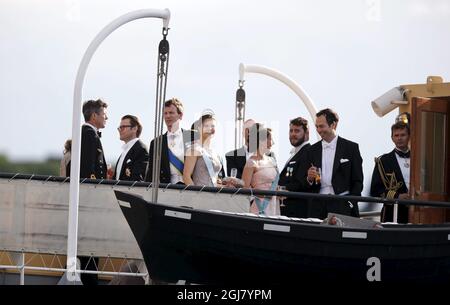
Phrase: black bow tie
pixel 99 134
pixel 402 154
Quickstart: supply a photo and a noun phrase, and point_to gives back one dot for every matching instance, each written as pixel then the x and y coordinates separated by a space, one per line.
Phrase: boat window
pixel 432 165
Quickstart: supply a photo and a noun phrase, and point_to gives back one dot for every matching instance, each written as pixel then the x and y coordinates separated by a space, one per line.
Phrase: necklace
pixel 406 163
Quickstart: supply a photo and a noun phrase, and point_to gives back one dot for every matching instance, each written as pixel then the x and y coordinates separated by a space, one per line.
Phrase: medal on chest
pixel 289 171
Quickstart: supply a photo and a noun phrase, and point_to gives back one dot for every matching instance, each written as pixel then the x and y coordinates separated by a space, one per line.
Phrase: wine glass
pixel 281 198
pixel 233 172
pixel 219 177
pixel 319 175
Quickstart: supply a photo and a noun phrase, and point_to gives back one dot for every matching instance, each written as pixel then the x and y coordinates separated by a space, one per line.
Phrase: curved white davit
pixel 298 90
pixel 76 125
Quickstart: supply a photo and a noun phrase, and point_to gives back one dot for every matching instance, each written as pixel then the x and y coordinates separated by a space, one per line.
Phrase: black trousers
pixel 387 213
pixel 321 208
pixel 295 208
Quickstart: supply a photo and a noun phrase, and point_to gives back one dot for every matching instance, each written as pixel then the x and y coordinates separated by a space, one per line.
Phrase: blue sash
pixel 177 163
pixel 209 166
pixel 263 203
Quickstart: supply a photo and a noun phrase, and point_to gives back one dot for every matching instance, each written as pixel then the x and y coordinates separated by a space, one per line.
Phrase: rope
pixel 239 115
pixel 161 84
pixel 13 177
pixel 131 186
pixel 64 181
pixel 201 189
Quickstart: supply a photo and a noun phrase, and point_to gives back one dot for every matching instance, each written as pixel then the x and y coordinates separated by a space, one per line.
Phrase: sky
pixel 344 54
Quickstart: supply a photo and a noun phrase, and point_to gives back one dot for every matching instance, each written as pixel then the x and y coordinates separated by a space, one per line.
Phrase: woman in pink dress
pixel 260 171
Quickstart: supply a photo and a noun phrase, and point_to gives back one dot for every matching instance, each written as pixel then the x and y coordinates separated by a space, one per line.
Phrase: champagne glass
pixel 319 175
pixel 233 172
pixel 109 171
pixel 219 177
pixel 281 198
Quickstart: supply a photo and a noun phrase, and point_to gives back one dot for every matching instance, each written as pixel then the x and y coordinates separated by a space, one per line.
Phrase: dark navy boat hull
pixel 215 248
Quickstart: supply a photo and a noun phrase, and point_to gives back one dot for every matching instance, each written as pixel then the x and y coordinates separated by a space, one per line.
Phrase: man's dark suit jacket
pixel 165 165
pixel 236 159
pixel 292 178
pixel 92 163
pixel 134 164
pixel 347 177
pixel 377 188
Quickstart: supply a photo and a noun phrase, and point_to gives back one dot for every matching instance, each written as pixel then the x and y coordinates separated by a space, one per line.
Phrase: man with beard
pixel 335 168
pixel 295 169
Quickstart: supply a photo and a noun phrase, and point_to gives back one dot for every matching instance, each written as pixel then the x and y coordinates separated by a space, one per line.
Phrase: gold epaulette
pixel 389 180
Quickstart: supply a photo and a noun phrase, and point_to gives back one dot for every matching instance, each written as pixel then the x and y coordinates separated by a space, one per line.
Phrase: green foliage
pixel 48 167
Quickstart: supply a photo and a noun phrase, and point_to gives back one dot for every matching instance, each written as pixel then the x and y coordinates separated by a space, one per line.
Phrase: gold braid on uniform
pixel 390 182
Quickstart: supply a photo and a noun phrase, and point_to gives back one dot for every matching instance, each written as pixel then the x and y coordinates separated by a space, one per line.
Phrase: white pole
pixel 22 268
pixel 395 216
pixel 307 101
pixel 72 236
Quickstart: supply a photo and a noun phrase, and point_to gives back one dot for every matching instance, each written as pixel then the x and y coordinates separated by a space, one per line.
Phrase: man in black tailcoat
pixel 335 168
pixel 132 163
pixel 238 157
pixel 390 178
pixel 92 164
pixel 174 144
pixel 295 168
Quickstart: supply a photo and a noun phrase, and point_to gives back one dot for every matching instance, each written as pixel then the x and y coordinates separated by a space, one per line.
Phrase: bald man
pixel 238 157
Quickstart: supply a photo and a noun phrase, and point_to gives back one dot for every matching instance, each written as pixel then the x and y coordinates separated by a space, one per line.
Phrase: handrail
pixel 231 191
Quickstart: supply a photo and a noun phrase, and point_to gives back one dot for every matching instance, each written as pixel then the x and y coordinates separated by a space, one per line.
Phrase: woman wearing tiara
pixel 203 165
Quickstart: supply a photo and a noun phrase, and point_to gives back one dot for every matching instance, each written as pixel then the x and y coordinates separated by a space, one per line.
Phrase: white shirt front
pixel 176 145
pixel 125 149
pixel 405 165
pixel 328 153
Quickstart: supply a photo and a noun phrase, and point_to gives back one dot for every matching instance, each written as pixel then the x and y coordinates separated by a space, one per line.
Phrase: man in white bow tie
pixel 174 143
pixel 335 168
